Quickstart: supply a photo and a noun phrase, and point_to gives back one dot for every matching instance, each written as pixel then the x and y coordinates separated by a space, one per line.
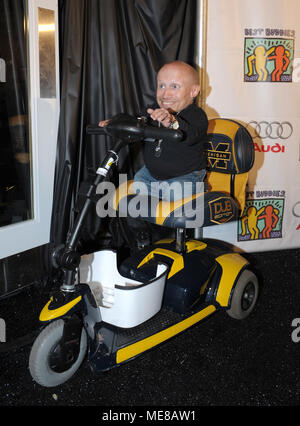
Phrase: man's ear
pixel 195 90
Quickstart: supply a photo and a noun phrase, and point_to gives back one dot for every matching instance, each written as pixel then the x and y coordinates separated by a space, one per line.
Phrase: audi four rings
pixel 272 130
pixel 296 209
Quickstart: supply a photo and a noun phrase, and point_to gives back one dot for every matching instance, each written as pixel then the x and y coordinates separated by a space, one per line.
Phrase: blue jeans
pixel 169 189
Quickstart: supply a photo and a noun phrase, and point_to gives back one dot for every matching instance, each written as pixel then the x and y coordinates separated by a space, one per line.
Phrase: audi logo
pixel 296 209
pixel 271 130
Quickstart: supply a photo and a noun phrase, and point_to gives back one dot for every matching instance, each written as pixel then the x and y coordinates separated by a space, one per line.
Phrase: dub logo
pixel 220 210
pixel 268 59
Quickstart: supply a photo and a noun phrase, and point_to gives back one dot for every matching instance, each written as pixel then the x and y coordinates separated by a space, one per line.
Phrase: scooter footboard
pixel 123 302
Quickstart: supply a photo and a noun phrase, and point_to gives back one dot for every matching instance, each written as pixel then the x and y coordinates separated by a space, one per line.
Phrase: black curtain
pixel 110 53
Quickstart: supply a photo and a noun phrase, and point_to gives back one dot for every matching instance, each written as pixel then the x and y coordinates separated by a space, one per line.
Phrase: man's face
pixel 175 88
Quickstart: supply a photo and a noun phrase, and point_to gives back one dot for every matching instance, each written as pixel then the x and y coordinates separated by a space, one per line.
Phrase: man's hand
pixel 103 123
pixel 161 115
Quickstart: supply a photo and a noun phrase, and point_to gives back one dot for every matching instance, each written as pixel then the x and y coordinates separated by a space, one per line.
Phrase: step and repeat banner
pixel 253 77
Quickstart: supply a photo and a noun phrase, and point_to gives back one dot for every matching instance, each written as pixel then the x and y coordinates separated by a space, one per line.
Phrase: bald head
pixel 184 69
pixel 177 85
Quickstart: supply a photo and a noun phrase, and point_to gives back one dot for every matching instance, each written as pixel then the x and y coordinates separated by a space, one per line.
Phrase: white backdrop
pixel 251 47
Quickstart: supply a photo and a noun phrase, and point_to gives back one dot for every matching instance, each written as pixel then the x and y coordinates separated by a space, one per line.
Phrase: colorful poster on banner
pixel 252 68
pixel 262 218
pixel 268 59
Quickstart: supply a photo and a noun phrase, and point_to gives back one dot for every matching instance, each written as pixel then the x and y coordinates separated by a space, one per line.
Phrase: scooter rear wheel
pixel 244 295
pixel 40 364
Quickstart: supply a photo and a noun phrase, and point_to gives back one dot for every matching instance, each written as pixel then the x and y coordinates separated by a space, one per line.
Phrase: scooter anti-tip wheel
pixel 244 295
pixel 42 356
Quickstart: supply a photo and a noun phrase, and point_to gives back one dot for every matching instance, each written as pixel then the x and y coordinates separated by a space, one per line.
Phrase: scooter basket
pixel 123 302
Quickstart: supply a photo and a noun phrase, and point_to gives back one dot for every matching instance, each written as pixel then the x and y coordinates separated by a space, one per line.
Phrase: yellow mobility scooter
pixel 120 308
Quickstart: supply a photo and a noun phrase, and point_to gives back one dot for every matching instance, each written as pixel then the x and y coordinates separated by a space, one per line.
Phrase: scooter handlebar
pixel 162 133
pixel 134 130
pixel 94 129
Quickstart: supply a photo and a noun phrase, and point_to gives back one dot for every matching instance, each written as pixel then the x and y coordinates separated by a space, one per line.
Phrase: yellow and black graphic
pixel 268 59
pixel 218 155
pixel 221 210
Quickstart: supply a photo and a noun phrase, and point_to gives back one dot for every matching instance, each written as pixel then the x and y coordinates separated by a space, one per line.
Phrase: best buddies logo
pixel 268 55
pixel 263 216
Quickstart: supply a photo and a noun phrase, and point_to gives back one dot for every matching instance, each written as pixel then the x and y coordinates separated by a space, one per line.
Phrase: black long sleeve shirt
pixel 185 156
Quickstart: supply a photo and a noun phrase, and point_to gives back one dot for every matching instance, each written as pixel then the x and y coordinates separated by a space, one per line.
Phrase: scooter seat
pixel 203 209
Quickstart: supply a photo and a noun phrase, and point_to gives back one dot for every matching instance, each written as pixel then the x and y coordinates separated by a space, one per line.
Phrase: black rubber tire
pixel 244 295
pixel 39 366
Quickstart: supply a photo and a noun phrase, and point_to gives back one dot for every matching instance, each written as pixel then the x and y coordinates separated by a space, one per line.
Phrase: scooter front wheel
pixel 42 356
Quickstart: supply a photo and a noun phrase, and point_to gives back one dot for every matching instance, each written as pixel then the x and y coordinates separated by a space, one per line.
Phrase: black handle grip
pixel 94 129
pixel 162 133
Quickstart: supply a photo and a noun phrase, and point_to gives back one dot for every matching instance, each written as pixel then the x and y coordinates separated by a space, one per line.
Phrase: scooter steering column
pixel 66 257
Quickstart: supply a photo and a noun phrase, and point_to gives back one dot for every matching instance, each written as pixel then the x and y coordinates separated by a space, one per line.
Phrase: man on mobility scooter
pixel 122 307
pixel 181 164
